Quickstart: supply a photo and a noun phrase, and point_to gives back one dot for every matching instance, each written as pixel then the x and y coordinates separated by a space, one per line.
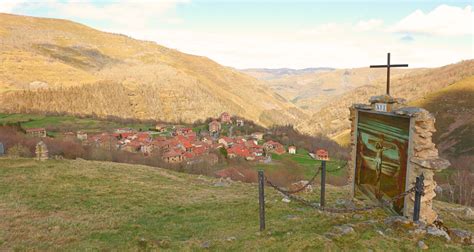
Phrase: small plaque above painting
pixel 381 107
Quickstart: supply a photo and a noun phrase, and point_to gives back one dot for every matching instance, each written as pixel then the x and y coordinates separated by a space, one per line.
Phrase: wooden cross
pixel 388 66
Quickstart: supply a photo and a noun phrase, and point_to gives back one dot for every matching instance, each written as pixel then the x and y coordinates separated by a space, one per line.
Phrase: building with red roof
pixel 214 126
pixel 225 118
pixel 184 131
pixel 322 154
pixel 36 132
pixel 274 147
pixel 238 150
pixel 226 141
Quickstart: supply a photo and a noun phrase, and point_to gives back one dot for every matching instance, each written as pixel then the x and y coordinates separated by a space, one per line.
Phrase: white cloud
pixel 7 6
pixel 333 44
pixel 367 25
pixel 444 20
pixel 122 13
pixel 136 14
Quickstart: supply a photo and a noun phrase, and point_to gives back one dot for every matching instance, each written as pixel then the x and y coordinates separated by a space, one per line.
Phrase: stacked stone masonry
pixel 423 156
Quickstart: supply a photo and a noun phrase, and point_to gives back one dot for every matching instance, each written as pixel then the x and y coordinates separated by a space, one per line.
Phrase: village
pixel 184 144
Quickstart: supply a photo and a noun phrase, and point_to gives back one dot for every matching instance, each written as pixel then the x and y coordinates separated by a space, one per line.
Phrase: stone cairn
pixel 423 157
pixel 41 151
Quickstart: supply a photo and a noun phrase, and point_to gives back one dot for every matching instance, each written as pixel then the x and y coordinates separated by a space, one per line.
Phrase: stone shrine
pixel 41 151
pixel 392 145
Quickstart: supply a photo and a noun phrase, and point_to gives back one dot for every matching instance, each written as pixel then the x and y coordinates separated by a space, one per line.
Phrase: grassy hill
pixel 453 107
pixel 60 66
pixel 61 124
pixel 83 205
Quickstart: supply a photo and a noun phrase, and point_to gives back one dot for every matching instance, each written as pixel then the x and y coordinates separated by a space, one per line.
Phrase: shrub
pixel 19 150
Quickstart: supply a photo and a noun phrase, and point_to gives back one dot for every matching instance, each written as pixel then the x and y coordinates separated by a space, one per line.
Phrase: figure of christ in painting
pixel 378 165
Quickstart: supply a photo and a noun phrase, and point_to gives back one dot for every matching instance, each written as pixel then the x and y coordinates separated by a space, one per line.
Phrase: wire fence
pixel 418 189
pixel 317 205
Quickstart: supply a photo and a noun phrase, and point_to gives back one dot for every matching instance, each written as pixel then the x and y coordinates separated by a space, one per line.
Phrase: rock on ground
pixel 434 231
pixel 422 245
pixel 461 236
pixel 398 221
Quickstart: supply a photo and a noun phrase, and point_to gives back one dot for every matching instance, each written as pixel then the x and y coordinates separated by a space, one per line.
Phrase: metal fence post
pixel 261 198
pixel 419 191
pixel 323 182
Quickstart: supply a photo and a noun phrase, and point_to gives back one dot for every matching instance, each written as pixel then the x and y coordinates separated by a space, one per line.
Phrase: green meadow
pixel 86 205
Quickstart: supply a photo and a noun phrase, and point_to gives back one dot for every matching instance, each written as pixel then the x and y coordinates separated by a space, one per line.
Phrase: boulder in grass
pixel 434 231
pixel 461 236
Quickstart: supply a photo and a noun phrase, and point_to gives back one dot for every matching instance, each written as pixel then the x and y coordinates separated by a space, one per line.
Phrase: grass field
pixel 302 164
pixel 84 205
pixel 67 123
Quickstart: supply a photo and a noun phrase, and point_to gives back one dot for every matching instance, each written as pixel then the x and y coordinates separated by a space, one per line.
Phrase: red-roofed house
pixel 36 132
pixel 125 135
pixel 184 131
pixel 225 118
pixel 200 150
pixel 104 140
pixel 144 136
pixel 214 126
pixel 322 154
pixel 238 150
pixel 226 141
pixel 188 155
pixel 274 147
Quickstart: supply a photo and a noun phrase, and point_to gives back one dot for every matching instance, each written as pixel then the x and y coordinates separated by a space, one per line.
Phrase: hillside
pixel 453 107
pixel 60 66
pixel 332 118
pixel 84 205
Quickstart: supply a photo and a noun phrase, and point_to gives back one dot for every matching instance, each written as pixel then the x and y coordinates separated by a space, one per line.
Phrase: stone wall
pixel 423 156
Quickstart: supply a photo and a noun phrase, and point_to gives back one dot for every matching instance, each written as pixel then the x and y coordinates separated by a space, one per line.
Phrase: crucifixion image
pixel 380 148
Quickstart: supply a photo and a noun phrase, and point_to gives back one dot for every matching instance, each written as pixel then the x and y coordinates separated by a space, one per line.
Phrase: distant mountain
pixel 53 65
pixel 311 90
pixel 274 73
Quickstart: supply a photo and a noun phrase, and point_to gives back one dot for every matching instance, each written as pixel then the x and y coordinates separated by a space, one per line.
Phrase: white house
pixel 292 149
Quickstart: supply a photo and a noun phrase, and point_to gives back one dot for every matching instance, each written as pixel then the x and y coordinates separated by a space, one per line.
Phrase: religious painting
pixel 382 155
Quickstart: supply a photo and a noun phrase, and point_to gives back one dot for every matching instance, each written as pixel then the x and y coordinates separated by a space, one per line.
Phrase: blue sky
pixel 294 34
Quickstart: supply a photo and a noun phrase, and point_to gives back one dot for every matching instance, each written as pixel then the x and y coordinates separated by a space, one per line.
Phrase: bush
pixel 19 150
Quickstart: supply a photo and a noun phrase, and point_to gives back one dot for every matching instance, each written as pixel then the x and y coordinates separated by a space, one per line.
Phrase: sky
pixel 282 34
